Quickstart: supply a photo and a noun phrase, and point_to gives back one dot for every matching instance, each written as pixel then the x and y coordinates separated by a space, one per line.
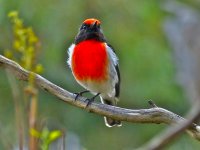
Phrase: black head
pixel 90 29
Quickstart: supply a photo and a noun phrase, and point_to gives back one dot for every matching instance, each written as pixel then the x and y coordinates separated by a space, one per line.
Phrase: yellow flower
pixel 39 68
pixel 8 53
pixel 13 14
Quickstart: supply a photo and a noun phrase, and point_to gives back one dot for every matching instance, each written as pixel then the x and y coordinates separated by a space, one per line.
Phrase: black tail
pixel 109 121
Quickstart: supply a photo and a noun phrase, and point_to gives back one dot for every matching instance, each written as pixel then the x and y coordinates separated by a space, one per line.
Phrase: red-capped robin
pixel 94 65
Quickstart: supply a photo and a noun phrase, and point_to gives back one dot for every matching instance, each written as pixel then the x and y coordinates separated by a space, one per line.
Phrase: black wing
pixel 117 85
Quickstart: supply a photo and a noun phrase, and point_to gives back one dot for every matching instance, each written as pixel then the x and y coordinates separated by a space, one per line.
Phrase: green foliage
pixel 25 48
pixel 134 29
pixel 46 137
pixel 25 44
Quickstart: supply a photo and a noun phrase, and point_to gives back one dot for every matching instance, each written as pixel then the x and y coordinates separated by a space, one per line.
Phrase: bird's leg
pixel 90 100
pixel 80 94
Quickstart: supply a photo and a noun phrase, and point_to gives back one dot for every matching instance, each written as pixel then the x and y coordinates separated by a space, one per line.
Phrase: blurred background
pixel 157 43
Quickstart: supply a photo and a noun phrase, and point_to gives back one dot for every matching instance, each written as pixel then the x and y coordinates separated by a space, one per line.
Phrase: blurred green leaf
pixel 35 133
pixel 55 134
pixel 134 29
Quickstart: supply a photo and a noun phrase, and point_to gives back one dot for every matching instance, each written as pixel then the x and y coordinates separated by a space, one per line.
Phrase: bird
pixel 94 65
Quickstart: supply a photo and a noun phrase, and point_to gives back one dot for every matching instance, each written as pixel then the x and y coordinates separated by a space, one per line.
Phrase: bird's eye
pixel 83 27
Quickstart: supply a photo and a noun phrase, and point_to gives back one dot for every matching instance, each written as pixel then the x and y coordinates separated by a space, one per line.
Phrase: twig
pixel 152 103
pixel 152 115
pixel 5 142
pixel 18 108
pixel 172 132
pixel 32 122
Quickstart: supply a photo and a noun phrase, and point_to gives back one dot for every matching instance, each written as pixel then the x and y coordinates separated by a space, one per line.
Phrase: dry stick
pixel 5 142
pixel 152 115
pixel 18 108
pixel 172 132
pixel 32 121
pixel 63 140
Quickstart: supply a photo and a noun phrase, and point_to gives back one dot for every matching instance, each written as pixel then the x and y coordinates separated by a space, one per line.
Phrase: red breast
pixel 90 61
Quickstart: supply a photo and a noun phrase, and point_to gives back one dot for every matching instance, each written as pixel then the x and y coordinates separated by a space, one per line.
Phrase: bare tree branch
pixel 182 31
pixel 153 115
pixel 172 132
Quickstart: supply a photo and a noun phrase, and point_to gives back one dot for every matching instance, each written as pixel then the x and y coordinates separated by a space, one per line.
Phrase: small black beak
pixel 94 25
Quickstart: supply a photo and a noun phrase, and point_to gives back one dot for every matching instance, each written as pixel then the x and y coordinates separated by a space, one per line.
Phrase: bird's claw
pixel 80 94
pixel 77 95
pixel 90 100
